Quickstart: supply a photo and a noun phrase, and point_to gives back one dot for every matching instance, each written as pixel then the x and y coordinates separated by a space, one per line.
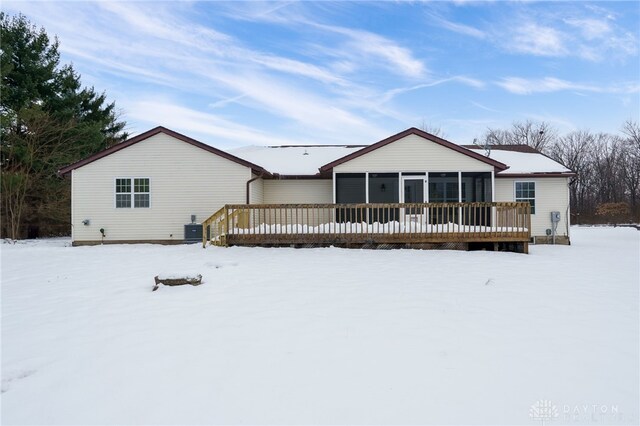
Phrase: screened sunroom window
pixel 443 187
pixel 350 189
pixel 476 187
pixel 384 188
pixel 526 192
pixel 132 192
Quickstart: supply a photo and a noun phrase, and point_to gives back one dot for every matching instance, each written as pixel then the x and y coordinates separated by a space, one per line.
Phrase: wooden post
pixel 226 220
pixel 204 234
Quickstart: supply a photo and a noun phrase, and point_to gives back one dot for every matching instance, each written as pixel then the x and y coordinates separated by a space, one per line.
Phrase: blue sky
pixel 239 73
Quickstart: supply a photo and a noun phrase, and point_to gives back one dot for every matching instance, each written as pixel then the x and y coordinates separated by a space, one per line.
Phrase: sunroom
pixel 412 189
pixel 442 188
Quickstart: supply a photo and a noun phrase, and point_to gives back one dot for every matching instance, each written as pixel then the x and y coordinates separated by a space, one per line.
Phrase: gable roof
pixel 306 161
pixel 146 135
pixel 413 131
pixel 525 161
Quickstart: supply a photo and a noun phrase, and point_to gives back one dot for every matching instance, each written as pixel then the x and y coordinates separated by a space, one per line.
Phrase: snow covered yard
pixel 322 335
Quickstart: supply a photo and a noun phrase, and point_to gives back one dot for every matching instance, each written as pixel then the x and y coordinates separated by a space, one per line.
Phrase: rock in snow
pixel 177 279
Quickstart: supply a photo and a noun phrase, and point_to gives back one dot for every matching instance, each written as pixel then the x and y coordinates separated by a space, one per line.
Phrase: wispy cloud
pixel 457 27
pixel 190 121
pixel 363 46
pixel 486 108
pixel 523 86
pixel 587 37
pixel 601 11
pixel 399 59
pixel 590 28
pixel 184 56
pixel 590 33
pixel 331 72
pixel 390 94
pixel 536 39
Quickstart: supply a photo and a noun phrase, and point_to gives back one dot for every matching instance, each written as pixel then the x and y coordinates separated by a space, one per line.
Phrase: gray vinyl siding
pixel 552 194
pixel 184 180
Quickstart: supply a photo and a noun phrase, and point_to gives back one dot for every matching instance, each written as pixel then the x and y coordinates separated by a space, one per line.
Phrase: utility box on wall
pixel 555 217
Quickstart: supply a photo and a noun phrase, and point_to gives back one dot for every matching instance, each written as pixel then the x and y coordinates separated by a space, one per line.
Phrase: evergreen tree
pixel 47 120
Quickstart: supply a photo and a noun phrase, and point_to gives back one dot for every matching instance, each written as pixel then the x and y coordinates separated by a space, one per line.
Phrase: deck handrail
pixel 214 227
pixel 269 223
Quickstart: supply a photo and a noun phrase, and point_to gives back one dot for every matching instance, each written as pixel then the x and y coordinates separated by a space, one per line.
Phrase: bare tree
pixel 498 137
pixel 630 163
pixel 29 160
pixel 631 129
pixel 605 170
pixel 607 165
pixel 574 151
pixel 434 130
pixel 536 135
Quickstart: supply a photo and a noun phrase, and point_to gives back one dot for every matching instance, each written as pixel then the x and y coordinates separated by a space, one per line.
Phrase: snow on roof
pixel 525 162
pixel 307 159
pixel 294 160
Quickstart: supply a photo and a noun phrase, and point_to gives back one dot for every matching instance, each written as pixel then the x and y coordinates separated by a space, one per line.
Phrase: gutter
pixel 536 174
pixel 249 184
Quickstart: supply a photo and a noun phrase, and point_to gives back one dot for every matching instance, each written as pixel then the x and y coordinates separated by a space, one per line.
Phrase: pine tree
pixel 47 120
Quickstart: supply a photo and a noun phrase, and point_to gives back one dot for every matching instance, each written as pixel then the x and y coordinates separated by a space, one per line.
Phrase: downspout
pixel 249 185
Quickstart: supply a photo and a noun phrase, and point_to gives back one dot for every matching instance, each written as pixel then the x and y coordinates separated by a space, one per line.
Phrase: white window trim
pixel 423 178
pixel 535 192
pixel 131 178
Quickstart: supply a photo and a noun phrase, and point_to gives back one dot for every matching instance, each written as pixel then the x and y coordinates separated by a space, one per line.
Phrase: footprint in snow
pixel 12 377
pixel 219 264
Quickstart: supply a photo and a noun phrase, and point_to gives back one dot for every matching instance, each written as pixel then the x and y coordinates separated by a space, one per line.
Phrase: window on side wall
pixel 132 193
pixel 526 192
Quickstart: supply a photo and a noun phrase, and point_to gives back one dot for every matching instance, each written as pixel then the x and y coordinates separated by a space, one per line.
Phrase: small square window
pixel 123 185
pixel 140 200
pixel 123 200
pixel 141 185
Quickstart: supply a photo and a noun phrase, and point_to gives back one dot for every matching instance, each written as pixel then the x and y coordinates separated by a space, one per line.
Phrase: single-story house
pixel 149 187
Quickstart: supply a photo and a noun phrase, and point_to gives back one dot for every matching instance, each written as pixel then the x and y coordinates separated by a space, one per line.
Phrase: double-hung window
pixel 132 193
pixel 526 192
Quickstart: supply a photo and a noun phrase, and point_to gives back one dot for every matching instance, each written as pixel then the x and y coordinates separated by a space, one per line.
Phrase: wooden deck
pixel 506 225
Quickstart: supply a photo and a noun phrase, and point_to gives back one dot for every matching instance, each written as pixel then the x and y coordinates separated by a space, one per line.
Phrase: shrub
pixel 614 212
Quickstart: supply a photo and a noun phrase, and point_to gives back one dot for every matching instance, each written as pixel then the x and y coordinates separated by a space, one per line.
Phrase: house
pixel 149 187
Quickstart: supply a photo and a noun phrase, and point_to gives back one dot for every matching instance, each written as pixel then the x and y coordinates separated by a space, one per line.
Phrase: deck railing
pixel 365 223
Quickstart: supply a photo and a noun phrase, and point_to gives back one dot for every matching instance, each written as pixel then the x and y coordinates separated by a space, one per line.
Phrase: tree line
pixel 607 186
pixel 47 120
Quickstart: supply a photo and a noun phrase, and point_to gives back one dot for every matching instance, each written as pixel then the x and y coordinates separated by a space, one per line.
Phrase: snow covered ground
pixel 322 335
